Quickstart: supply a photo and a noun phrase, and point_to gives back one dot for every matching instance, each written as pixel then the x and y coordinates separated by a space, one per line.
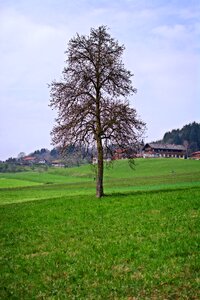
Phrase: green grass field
pixel 140 241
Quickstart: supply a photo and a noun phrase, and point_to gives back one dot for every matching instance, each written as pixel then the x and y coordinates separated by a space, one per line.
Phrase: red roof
pixel 196 154
pixel 27 158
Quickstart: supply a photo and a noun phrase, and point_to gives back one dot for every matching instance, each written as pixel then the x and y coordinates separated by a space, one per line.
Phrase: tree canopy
pixel 92 99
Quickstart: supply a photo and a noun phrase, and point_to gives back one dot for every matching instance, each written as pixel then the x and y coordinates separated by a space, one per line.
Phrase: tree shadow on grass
pixel 153 191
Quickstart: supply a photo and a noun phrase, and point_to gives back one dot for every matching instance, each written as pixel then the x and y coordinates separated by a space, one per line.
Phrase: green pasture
pixel 140 241
pixel 147 175
pixel 12 183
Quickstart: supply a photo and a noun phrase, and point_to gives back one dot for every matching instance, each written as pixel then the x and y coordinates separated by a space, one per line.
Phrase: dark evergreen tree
pixel 189 135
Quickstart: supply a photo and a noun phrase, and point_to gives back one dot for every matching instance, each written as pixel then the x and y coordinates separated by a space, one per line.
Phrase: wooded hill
pixel 189 136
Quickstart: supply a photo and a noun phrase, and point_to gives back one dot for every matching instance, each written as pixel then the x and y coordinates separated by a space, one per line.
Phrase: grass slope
pixel 13 183
pixel 149 174
pixel 141 241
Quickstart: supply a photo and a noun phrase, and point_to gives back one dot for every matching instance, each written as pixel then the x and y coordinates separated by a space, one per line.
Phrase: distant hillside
pixel 188 136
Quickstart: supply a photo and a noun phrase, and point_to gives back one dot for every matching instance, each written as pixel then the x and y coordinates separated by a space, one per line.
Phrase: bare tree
pixel 91 99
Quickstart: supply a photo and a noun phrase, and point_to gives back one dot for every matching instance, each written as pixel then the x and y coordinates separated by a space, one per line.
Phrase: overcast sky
pixel 162 40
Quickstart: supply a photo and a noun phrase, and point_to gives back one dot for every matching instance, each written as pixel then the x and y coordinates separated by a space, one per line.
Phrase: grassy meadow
pixel 140 241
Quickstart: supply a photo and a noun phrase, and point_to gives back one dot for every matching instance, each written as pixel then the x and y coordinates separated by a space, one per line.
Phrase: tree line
pixel 44 158
pixel 188 135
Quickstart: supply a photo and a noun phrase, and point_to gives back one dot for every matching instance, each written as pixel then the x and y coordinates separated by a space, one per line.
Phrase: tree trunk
pixel 99 179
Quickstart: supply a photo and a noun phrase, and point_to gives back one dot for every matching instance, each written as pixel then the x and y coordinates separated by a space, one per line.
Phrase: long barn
pixel 164 150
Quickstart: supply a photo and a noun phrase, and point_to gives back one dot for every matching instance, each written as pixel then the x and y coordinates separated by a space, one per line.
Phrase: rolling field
pixel 140 241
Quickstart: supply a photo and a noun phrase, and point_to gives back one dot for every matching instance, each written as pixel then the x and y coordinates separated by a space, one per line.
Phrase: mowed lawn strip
pixel 143 246
pixel 44 177
pixel 13 183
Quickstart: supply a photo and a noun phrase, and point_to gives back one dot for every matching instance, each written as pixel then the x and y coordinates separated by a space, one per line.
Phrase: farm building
pixel 119 154
pixel 164 150
pixel 58 163
pixel 28 160
pixel 196 155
